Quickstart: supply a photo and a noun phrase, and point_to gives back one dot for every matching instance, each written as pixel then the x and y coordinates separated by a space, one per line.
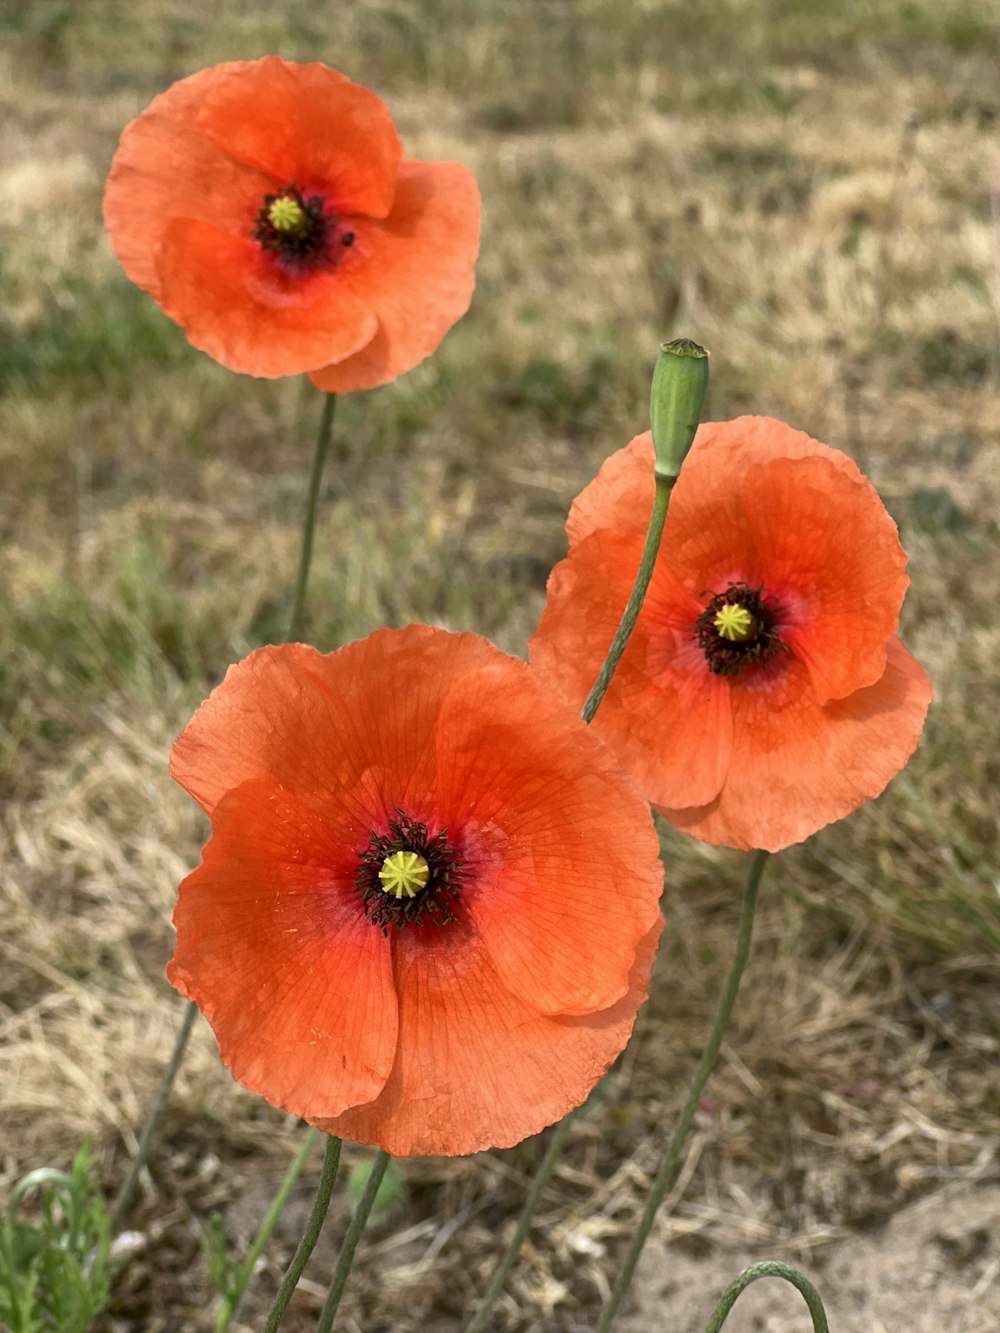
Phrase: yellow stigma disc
pixel 404 874
pixel 735 623
pixel 287 214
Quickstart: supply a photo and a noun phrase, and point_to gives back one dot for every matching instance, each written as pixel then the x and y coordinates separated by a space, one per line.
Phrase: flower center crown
pixel 287 214
pixel 405 877
pixel 739 628
pixel 404 874
pixel 299 230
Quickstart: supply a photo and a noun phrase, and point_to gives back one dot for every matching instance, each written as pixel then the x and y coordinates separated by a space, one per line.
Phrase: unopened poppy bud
pixel 680 381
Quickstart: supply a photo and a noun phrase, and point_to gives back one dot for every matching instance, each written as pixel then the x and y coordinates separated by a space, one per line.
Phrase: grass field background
pixel 815 196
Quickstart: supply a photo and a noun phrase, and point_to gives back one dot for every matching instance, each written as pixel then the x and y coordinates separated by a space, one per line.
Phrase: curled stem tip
pixel 770 1268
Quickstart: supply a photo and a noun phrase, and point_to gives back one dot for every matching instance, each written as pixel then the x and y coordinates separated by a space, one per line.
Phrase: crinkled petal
pixel 165 168
pixel 710 535
pixel 724 451
pixel 477 1063
pixel 798 765
pixel 319 723
pixel 830 553
pixel 665 715
pixel 550 820
pixel 415 269
pixel 477 1066
pixel 237 304
pixel 274 948
pixel 585 597
pixel 306 124
pixel 621 495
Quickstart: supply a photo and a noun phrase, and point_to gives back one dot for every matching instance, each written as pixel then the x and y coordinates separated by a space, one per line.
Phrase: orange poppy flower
pixel 427 913
pixel 266 207
pixel 764 692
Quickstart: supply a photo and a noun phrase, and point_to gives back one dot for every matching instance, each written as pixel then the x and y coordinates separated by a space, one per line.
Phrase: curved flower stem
pixel 294 629
pixel 307 1244
pixel 309 522
pixel 670 1165
pixel 244 1273
pixel 350 1244
pixel 542 1178
pixel 661 499
pixel 121 1204
pixel 771 1268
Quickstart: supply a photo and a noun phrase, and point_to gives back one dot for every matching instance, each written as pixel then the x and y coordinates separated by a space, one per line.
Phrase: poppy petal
pixel 830 553
pixel 530 784
pixel 227 293
pixel 724 451
pixel 662 702
pixel 477 1066
pixel 742 757
pixel 307 124
pixel 164 169
pixel 675 735
pixel 620 496
pixel 585 597
pixel 416 271
pixel 336 706
pixel 273 946
pixel 710 535
pixel 798 766
pixel 241 731
pixel 349 733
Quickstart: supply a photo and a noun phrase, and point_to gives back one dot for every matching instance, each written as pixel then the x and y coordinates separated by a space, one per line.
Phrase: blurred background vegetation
pixel 811 191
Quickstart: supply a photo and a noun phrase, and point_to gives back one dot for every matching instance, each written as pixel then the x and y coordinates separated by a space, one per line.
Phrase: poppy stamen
pixel 297 229
pixel 739 628
pixel 405 876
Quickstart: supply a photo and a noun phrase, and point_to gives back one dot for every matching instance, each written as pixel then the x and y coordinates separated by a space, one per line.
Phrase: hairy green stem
pixel 771 1268
pixel 350 1245
pixel 309 522
pixel 670 1165
pixel 244 1273
pixel 661 499
pixel 124 1199
pixel 331 1161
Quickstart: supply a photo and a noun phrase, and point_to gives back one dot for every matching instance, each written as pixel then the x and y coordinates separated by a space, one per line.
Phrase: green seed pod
pixel 680 381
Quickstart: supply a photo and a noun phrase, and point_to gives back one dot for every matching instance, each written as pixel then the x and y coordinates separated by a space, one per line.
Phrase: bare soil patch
pixel 932 1268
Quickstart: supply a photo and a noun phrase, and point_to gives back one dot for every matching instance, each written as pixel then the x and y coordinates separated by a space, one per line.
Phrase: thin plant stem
pixel 661 502
pixel 245 1271
pixel 309 522
pixel 350 1245
pixel 661 499
pixel 771 1268
pixel 670 1165
pixel 294 629
pixel 124 1199
pixel 542 1178
pixel 331 1161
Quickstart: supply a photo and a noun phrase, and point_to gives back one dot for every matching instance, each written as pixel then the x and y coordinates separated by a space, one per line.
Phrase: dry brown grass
pixel 741 173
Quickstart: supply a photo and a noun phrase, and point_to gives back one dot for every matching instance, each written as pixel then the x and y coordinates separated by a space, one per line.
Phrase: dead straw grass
pixel 750 178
